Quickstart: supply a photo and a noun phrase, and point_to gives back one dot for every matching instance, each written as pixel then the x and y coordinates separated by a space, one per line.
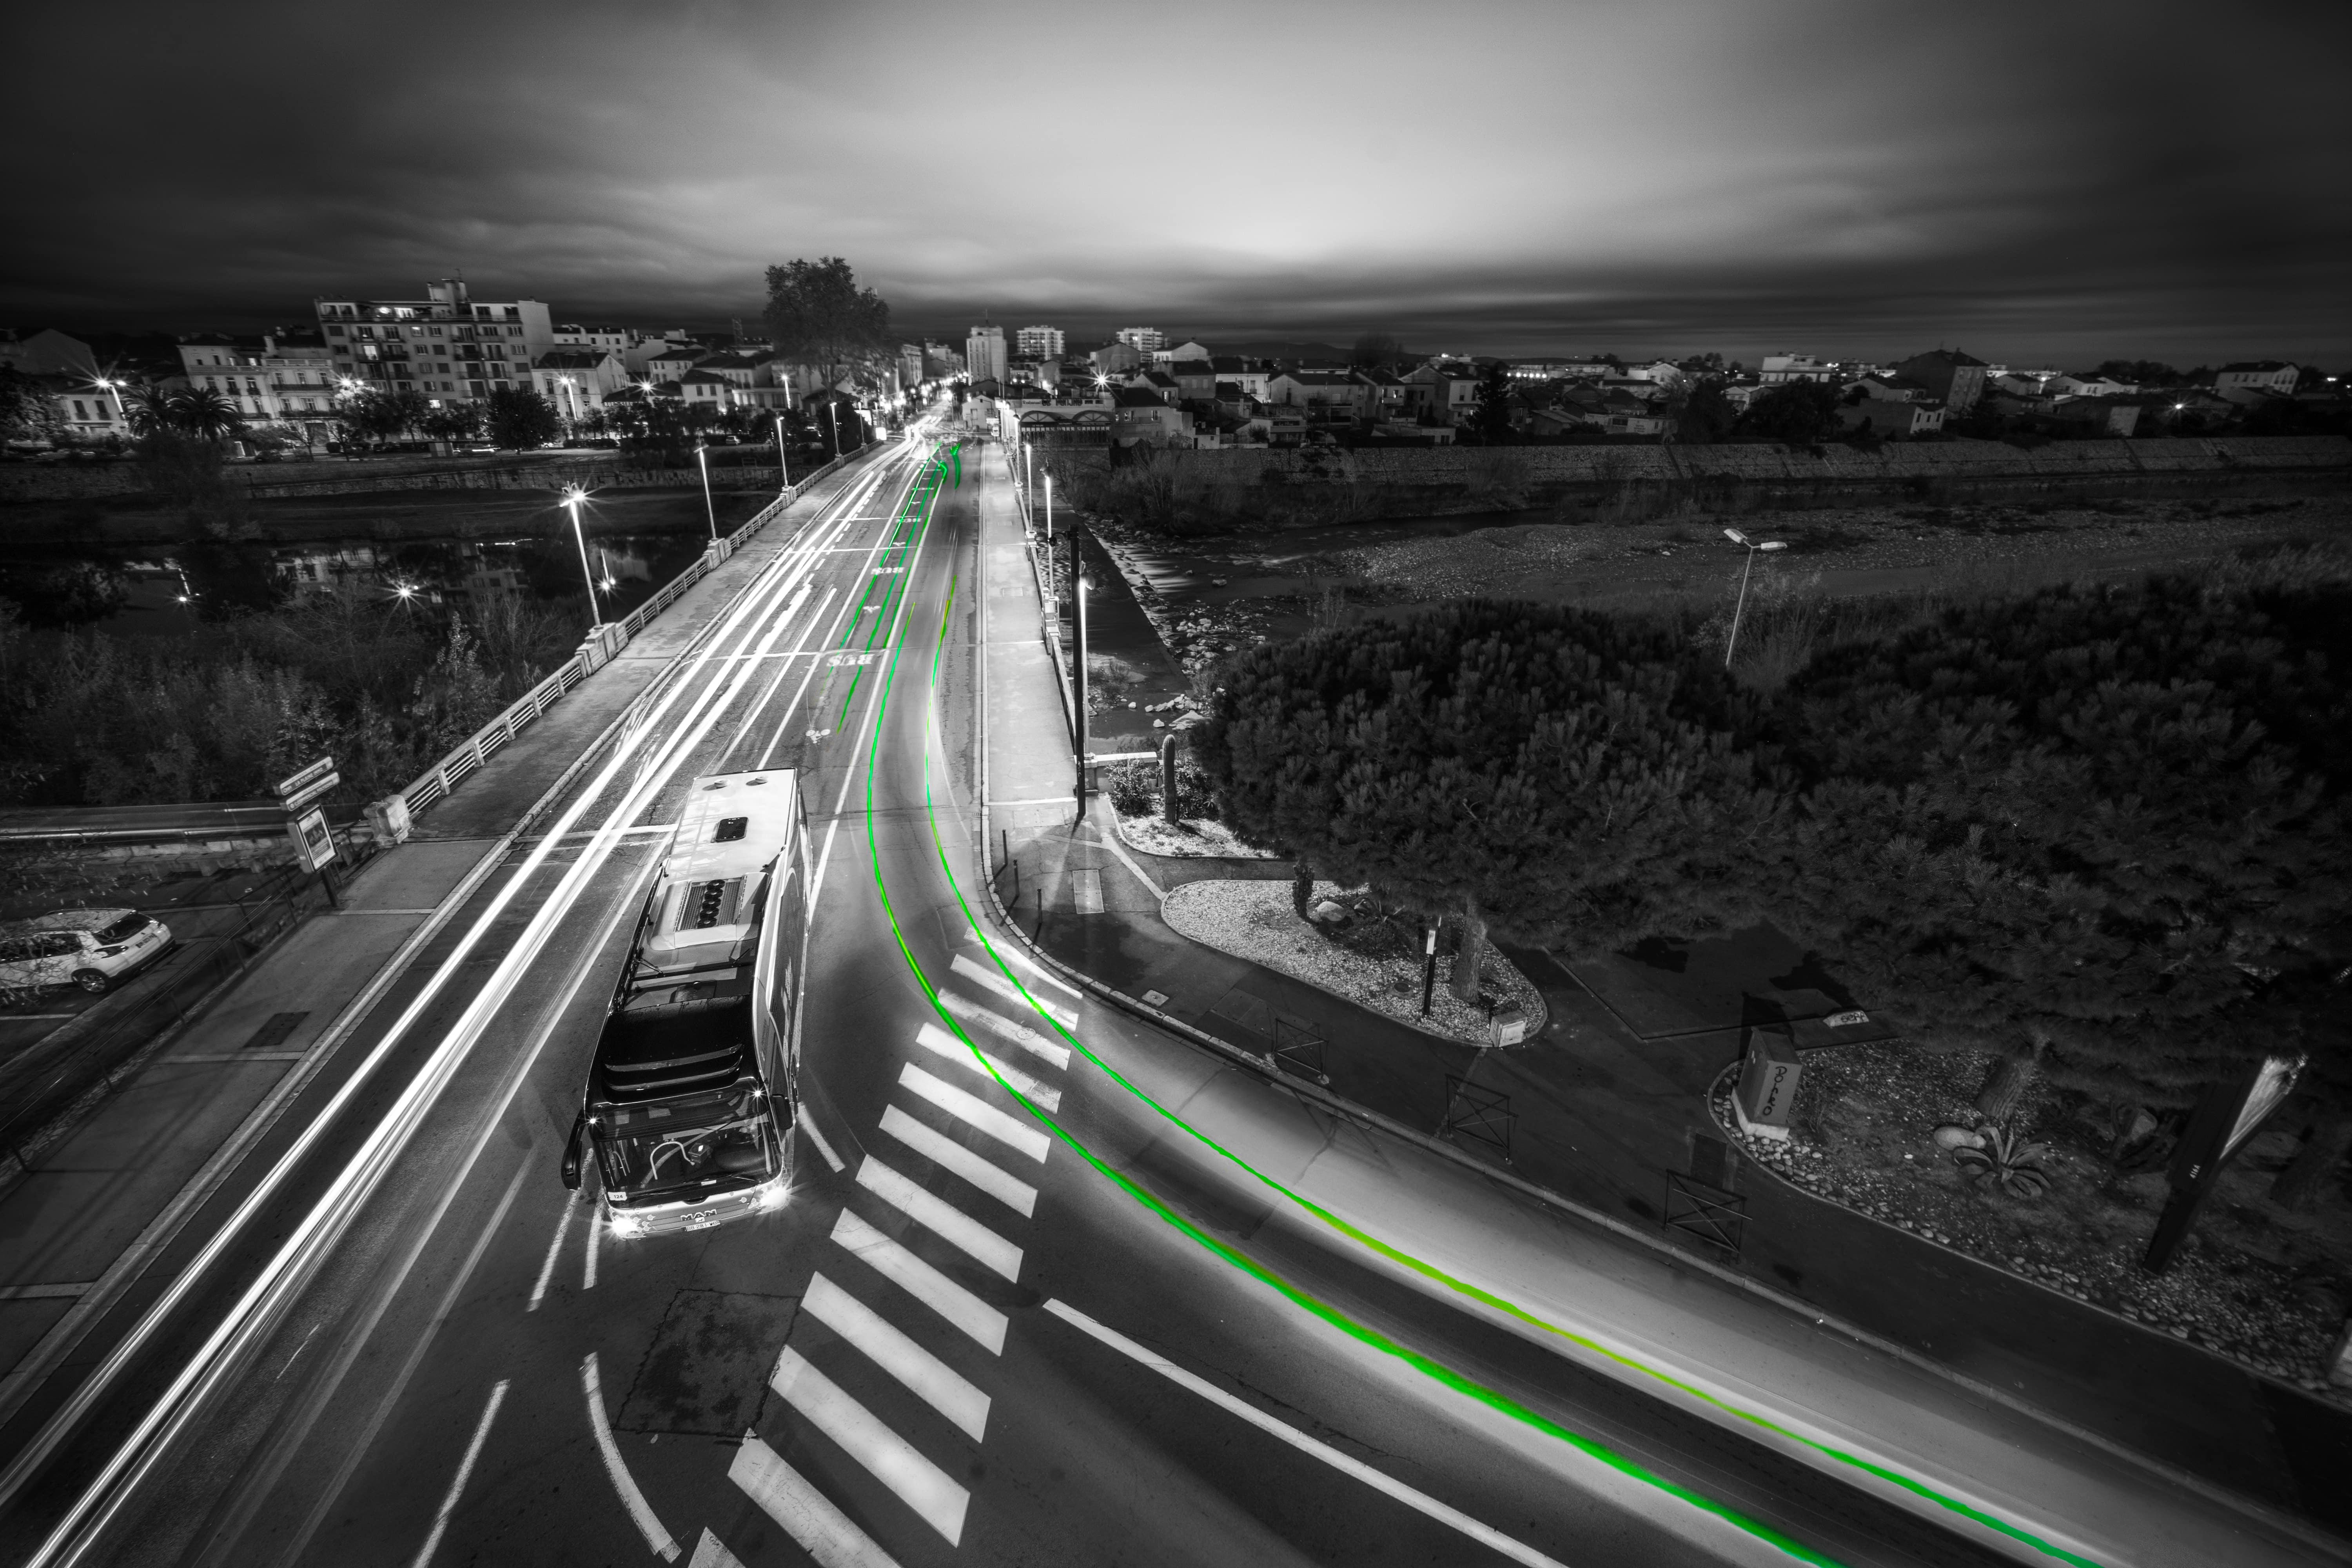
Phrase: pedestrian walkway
pixel 889 1362
pixel 1602 1117
pixel 100 1201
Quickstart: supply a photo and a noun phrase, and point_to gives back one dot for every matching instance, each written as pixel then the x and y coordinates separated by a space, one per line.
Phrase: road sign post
pixel 314 841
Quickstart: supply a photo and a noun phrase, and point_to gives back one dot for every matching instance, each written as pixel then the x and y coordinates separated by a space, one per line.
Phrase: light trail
pixel 255 1310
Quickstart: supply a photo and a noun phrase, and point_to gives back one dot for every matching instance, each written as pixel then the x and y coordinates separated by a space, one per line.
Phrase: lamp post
pixel 784 475
pixel 1078 667
pixel 1049 506
pixel 702 459
pixel 1742 540
pixel 833 417
pixel 572 495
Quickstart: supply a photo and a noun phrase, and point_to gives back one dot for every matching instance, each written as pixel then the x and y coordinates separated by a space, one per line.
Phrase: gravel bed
pixel 1202 839
pixel 1863 1137
pixel 1256 920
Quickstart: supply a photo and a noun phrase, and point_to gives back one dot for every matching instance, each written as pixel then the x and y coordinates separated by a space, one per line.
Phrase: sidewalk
pixel 109 1194
pixel 1601 1115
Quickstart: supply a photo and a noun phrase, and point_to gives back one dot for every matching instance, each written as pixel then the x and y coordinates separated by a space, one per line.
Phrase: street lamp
pixel 572 495
pixel 1742 540
pixel 1049 506
pixel 1079 669
pixel 833 417
pixel 783 476
pixel 702 460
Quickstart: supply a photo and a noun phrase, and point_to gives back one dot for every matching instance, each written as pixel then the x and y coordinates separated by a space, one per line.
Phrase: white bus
pixel 689 1100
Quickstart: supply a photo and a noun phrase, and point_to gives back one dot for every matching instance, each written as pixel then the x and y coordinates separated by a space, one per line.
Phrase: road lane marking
pixel 465 1468
pixel 948 1154
pixel 802 1511
pixel 711 1552
pixel 932 1037
pixel 554 1250
pixel 919 1484
pixel 995 980
pixel 623 1483
pixel 973 1111
pixel 941 1218
pixel 1421 1503
pixel 46 1292
pixel 808 1125
pixel 1028 1039
pixel 595 1237
pixel 1021 961
pixel 931 1380
pixel 934 1290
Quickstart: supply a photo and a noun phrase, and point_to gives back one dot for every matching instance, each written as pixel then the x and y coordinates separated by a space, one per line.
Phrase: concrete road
pixel 1015 1313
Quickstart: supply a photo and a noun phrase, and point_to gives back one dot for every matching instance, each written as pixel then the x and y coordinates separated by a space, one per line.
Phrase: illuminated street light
pixel 702 459
pixel 572 495
pixel 1742 540
pixel 784 475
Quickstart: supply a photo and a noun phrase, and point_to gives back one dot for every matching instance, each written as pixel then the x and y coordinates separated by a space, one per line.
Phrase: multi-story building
pixel 2241 381
pixel 984 356
pixel 1116 359
pixel 911 365
pixel 1780 368
pixel 617 339
pixel 46 351
pixel 1955 379
pixel 1040 343
pixel 287 380
pixel 578 380
pixel 1142 340
pixel 447 346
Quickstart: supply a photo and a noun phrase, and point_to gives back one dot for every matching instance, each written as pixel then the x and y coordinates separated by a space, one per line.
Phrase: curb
pixel 2294 1525
pixel 1733 1136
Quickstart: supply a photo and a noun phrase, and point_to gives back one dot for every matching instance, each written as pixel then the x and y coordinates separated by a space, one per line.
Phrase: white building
pixel 447 346
pixel 2241 382
pixel 1040 342
pixel 984 356
pixel 1780 368
pixel 619 340
pixel 578 380
pixel 1142 340
pixel 287 380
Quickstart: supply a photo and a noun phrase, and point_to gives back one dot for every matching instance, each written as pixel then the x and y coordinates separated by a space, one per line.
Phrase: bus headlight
pixel 775 1196
pixel 624 1224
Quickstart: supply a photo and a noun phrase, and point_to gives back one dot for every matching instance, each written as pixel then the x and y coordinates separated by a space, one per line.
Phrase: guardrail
pixel 391 816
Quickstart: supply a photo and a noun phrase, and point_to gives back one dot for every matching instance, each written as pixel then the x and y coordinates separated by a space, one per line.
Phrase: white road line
pixel 935 1214
pixel 752 715
pixel 932 1037
pixel 623 1482
pixel 554 1250
pixel 802 1511
pixel 934 1290
pixel 973 1111
pixel 1010 992
pixel 595 1237
pixel 1020 960
pixel 1028 1039
pixel 920 1484
pixel 808 1125
pixel 1486 1534
pixel 794 706
pixel 945 1152
pixel 711 1552
pixel 930 1379
pixel 465 1468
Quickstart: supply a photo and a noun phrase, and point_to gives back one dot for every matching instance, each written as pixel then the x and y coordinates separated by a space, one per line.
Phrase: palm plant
pixel 2006 1161
pixel 149 411
pixel 205 413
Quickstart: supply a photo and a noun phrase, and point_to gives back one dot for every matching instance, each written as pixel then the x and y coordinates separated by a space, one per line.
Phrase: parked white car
pixel 90 948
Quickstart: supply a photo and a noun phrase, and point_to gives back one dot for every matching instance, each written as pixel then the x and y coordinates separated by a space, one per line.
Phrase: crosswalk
pixel 952 1173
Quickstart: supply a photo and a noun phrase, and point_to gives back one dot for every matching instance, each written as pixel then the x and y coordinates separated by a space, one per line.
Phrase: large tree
pixel 1493 420
pixel 1799 412
pixel 818 316
pixel 1706 414
pixel 374 414
pixel 519 417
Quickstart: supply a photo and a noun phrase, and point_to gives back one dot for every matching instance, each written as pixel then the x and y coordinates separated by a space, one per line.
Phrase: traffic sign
pixel 313 841
pixel 289 786
pixel 315 790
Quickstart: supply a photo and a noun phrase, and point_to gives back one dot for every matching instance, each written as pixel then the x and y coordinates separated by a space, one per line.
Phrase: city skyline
pixel 2028 184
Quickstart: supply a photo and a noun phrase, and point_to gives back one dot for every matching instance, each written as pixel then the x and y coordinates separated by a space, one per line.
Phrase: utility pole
pixel 1078 666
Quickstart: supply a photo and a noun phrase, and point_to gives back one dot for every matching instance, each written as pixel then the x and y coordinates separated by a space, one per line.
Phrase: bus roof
pixel 733 824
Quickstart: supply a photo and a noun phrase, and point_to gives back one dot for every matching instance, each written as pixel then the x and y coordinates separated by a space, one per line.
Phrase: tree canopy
pixel 1799 412
pixel 818 315
pixel 519 417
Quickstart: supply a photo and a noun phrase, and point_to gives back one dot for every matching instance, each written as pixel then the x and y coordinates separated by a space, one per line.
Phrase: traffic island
pixel 2048 1203
pixel 1355 953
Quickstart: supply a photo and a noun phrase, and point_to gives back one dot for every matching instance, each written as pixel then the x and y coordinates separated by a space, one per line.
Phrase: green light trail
pixel 1327 1313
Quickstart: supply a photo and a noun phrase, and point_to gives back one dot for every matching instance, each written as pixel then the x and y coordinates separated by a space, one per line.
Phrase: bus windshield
pixel 686 1141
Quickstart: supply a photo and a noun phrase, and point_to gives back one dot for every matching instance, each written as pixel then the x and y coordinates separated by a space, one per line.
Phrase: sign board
pixel 1846 1020
pixel 313 841
pixel 315 790
pixel 1765 1098
pixel 296 783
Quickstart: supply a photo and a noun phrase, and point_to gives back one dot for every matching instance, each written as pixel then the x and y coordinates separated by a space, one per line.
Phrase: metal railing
pixel 603 645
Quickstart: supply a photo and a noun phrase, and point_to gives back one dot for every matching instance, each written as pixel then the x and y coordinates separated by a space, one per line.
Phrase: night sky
pixel 2035 183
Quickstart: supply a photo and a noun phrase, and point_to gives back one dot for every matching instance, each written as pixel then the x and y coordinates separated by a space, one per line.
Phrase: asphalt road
pixel 1010 1314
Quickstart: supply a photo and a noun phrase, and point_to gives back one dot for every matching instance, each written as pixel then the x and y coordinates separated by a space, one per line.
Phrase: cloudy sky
pixel 2034 182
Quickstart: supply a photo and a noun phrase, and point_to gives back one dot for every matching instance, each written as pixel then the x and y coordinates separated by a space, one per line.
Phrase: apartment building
pixel 288 380
pixel 1142 340
pixel 1040 343
pixel 984 356
pixel 578 380
pixel 447 346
